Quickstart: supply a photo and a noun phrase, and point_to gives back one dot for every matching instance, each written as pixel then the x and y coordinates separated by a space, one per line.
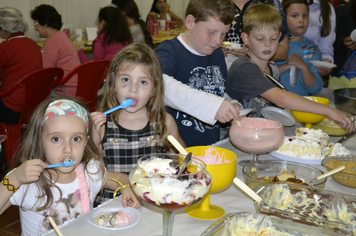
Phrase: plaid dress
pixel 122 147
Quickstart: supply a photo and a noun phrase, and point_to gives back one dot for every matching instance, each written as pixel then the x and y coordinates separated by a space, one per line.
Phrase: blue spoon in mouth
pixel 125 104
pixel 65 164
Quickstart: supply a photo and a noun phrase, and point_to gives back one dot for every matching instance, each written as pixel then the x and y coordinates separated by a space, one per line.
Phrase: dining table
pixel 230 199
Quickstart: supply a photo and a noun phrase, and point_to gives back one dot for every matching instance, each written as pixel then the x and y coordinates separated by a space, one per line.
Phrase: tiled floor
pixel 10 219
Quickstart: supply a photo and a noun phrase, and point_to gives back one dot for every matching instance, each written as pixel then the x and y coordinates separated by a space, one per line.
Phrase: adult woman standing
pixel 161 11
pixel 137 26
pixel 113 35
pixel 58 49
pixel 321 30
pixel 19 57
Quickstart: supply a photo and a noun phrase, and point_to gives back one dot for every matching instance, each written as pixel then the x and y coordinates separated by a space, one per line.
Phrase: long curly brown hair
pixel 132 56
pixel 31 147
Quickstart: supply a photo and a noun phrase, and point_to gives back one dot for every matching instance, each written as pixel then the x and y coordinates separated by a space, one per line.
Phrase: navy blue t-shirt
pixel 205 73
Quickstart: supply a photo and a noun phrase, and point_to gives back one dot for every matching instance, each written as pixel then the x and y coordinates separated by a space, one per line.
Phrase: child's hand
pixel 226 112
pixel 342 119
pixel 324 71
pixel 27 172
pixel 349 43
pixel 98 120
pixel 129 199
pixel 296 60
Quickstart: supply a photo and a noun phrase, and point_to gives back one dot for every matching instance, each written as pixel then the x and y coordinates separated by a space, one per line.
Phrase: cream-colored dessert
pixel 150 183
pixel 252 225
pixel 301 203
pixel 113 219
pixel 311 144
pixel 285 177
pixel 212 157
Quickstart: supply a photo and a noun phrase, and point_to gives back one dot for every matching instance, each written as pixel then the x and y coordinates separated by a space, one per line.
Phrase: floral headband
pixel 65 107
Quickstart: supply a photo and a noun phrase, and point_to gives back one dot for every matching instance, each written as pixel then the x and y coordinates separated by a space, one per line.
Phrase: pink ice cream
pixel 212 157
pixel 122 218
pixel 258 123
pixel 257 135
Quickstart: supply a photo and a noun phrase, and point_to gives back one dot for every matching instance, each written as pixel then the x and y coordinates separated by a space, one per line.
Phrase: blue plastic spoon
pixel 125 104
pixel 65 164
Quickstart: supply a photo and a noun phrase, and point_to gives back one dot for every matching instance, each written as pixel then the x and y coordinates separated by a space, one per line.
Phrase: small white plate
pixel 134 213
pixel 275 113
pixel 322 63
pixel 353 35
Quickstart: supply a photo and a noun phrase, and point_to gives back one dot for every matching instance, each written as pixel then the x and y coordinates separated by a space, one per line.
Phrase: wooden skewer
pixel 237 122
pixel 177 145
pixel 242 186
pixel 55 227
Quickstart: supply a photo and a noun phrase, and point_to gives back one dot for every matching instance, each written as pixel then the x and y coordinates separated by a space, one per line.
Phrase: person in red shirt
pixel 19 57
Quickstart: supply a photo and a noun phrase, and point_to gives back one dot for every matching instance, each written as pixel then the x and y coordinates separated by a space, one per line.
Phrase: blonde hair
pixel 261 16
pixel 130 57
pixel 31 147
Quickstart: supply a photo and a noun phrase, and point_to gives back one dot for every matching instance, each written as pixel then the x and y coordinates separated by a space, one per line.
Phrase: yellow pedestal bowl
pixel 222 176
pixel 310 118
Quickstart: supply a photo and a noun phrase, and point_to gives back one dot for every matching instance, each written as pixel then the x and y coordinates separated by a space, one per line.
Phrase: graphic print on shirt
pixel 209 80
pixel 63 210
pixel 308 51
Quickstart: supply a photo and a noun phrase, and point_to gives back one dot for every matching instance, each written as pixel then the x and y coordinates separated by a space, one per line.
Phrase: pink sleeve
pixel 98 50
pixel 83 58
pixel 50 54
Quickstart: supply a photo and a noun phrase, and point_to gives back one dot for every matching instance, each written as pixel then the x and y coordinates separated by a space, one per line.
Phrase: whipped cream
pixel 311 144
pixel 153 183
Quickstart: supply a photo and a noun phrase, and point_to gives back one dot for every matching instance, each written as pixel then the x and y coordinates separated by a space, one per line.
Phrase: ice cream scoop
pixel 125 104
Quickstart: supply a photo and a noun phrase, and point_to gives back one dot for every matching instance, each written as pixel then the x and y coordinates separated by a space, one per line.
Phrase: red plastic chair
pixel 38 86
pixel 90 76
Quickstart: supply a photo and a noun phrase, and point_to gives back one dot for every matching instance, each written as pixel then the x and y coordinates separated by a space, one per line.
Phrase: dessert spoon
pixel 184 164
pixel 65 164
pixel 125 104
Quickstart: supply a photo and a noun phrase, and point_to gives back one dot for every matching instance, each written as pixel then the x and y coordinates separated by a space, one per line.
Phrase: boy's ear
pixel 244 37
pixel 189 22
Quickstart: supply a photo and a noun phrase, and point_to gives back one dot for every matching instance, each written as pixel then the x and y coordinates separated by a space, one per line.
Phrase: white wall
pixel 82 13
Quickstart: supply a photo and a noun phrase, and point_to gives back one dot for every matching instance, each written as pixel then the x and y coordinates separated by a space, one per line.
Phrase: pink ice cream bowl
pixel 222 175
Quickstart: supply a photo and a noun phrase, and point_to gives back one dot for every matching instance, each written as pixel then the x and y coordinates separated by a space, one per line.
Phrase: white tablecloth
pixel 230 199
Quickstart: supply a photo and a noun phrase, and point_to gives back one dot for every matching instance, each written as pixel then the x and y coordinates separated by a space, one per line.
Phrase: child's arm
pixel 309 78
pixel 293 101
pixel 128 196
pixel 172 129
pixel 99 120
pixel 282 50
pixel 27 172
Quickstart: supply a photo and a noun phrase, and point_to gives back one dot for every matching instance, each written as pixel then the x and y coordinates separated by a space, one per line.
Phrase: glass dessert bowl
pixel 154 180
pixel 256 136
